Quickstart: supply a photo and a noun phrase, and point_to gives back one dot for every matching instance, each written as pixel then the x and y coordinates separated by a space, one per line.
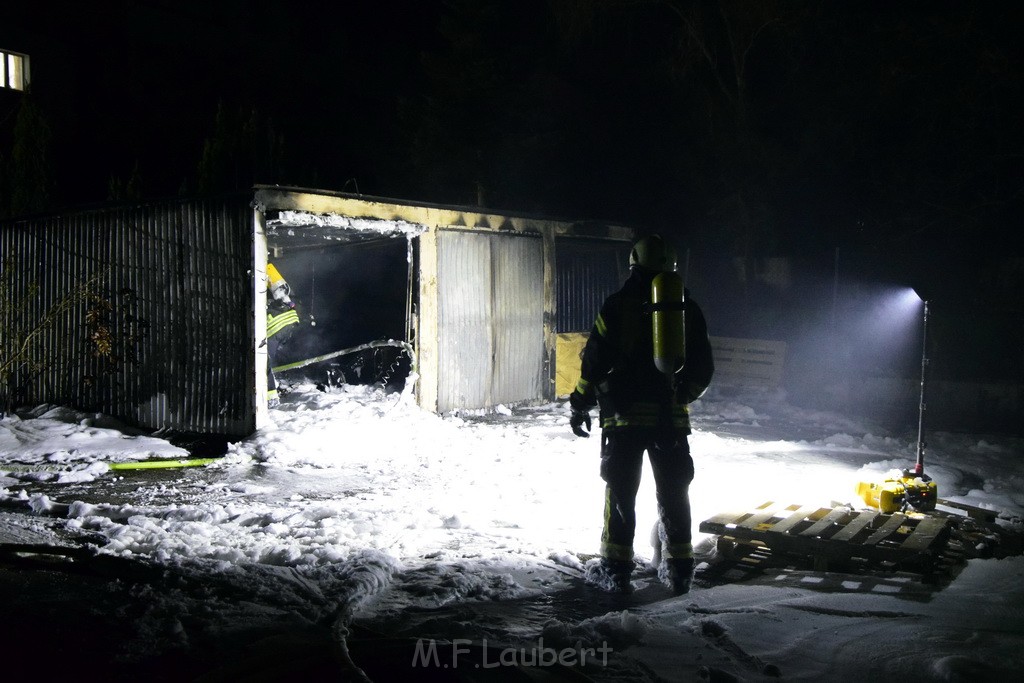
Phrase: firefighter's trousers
pixel 274 344
pixel 622 452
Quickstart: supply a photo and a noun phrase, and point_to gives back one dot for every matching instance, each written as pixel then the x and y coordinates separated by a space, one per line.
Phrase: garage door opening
pixel 352 292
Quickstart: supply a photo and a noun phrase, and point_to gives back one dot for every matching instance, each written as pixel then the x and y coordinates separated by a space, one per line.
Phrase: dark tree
pixel 488 130
pixel 242 150
pixel 29 174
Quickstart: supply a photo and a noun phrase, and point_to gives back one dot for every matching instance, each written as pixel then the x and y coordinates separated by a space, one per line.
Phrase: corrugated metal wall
pixel 178 275
pixel 490 319
pixel 587 272
pixel 518 318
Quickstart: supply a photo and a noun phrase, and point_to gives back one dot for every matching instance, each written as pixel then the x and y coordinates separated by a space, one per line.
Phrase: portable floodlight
pixel 907 488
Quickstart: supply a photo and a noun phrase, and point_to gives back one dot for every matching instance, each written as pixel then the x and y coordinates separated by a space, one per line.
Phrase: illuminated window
pixel 13 70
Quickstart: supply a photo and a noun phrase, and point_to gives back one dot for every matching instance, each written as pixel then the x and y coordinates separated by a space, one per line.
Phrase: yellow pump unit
pixel 668 322
pixel 898 491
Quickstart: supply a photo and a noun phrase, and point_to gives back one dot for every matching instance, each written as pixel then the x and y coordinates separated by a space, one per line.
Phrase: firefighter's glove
pixel 580 414
pixel 577 420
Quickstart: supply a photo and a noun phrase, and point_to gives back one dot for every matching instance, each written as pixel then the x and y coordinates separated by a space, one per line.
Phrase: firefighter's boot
pixel 610 575
pixel 677 574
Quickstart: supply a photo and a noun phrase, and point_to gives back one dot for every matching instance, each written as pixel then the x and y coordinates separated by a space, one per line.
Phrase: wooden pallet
pixel 838 537
pixel 975 513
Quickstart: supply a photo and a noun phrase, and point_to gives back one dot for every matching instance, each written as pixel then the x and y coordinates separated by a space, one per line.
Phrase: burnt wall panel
pixel 165 340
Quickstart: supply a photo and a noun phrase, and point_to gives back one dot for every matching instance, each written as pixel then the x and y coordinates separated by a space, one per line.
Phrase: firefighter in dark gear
pixel 282 317
pixel 642 409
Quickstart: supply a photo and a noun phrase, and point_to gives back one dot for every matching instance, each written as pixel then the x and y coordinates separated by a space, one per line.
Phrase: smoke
pixel 347 294
pixel 863 356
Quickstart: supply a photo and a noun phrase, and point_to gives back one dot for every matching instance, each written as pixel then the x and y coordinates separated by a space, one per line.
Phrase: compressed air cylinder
pixel 668 322
pixel 277 286
pixel 273 275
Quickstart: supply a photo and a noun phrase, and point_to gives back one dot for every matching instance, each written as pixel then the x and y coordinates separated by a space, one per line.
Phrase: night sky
pixel 888 130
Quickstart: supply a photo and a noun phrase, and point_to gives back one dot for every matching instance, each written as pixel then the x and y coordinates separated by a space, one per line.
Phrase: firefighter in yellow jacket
pixel 644 407
pixel 282 317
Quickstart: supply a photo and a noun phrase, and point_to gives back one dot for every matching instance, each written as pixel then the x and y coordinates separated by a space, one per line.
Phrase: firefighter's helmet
pixel 654 254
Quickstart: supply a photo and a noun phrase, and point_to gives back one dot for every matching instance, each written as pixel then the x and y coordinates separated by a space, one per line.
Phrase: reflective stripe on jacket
pixel 648 414
pixel 276 323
